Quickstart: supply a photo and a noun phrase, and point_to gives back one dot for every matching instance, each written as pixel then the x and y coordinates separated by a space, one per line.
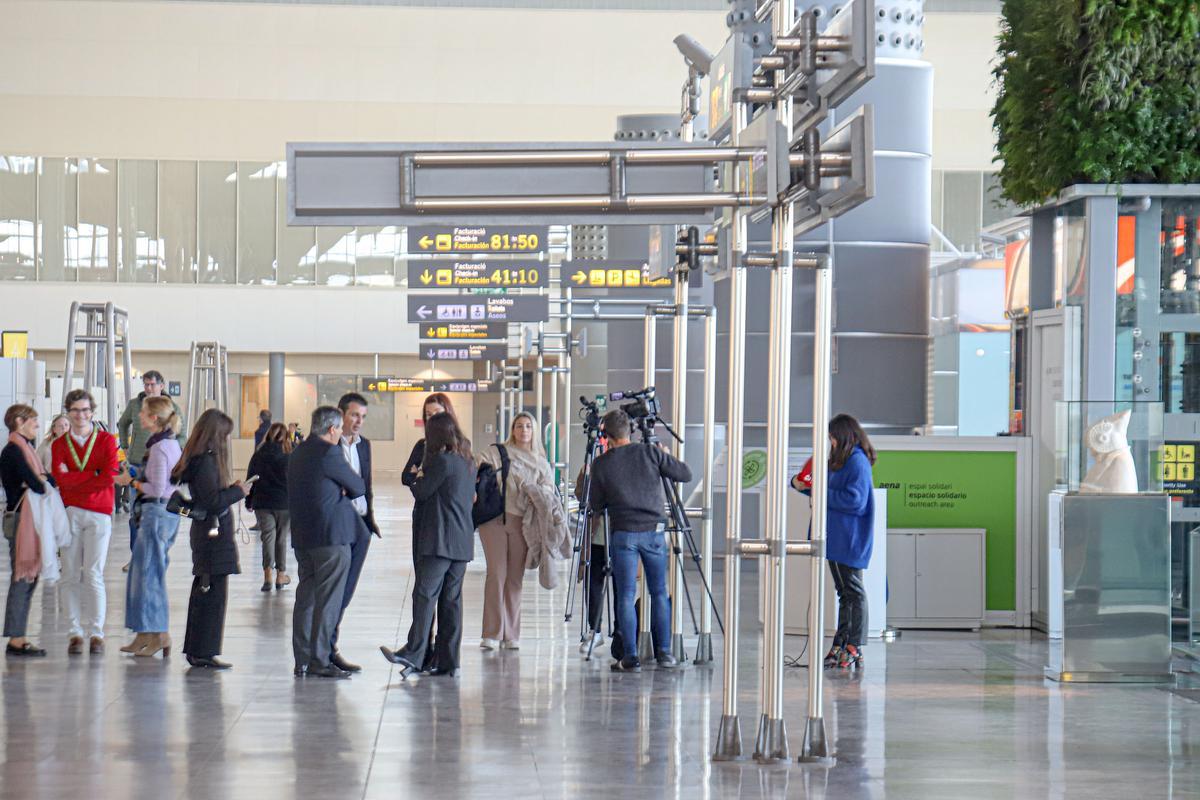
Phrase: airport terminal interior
pixel 594 398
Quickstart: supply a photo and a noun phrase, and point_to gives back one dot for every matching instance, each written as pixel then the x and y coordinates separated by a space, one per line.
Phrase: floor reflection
pixel 934 715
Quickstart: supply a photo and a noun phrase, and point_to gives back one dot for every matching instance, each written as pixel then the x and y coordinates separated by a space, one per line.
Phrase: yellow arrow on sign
pixel 425 241
pixel 579 277
pixel 426 277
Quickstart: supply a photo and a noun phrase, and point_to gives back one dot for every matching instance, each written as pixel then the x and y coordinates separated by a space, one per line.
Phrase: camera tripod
pixel 679 528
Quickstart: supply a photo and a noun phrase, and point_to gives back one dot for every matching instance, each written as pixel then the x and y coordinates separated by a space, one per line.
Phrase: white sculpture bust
pixel 1113 471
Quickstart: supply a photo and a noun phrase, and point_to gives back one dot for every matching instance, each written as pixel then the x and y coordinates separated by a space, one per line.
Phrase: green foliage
pixel 1096 91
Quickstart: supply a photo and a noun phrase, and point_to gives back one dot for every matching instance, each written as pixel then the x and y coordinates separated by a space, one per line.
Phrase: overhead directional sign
pixel 478 274
pixel 403 385
pixel 612 275
pixel 467 239
pixel 450 331
pixel 478 308
pixel 463 352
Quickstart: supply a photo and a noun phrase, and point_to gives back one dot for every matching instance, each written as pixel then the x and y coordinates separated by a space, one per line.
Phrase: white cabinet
pixel 936 577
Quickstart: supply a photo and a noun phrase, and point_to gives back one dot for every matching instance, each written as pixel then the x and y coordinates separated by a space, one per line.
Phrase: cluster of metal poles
pixel 105 328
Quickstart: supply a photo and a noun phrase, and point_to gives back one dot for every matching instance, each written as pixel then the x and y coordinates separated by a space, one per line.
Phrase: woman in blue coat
pixel 851 523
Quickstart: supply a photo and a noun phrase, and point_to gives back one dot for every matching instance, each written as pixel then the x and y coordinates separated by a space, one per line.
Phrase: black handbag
pixel 180 502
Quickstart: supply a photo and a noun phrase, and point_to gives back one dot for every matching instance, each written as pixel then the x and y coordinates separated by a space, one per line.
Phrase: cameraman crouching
pixel 627 482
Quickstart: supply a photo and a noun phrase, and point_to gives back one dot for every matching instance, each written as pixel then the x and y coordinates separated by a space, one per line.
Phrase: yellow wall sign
pixel 612 275
pixel 1178 467
pixel 15 344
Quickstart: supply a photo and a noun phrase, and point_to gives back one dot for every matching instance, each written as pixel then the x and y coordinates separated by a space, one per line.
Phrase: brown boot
pixel 75 646
pixel 139 641
pixel 96 646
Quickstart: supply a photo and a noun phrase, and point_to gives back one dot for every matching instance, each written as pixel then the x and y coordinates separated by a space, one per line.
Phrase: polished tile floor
pixel 933 715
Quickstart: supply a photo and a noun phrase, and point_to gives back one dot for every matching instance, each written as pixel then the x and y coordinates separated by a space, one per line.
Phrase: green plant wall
pixel 1096 91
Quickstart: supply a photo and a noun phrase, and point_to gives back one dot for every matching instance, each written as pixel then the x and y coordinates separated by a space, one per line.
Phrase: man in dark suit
pixel 321 491
pixel 357 451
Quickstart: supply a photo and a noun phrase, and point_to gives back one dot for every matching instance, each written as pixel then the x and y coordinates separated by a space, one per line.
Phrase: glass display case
pixel 1112 447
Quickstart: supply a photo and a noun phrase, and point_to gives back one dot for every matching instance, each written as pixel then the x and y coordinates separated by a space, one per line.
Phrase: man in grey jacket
pixel 321 490
pixel 627 483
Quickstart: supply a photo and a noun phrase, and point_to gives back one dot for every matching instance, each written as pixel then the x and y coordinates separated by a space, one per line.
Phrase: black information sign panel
pixel 478 308
pixel 612 275
pixel 401 385
pixel 478 274
pixel 469 239
pixel 466 351
pixel 462 332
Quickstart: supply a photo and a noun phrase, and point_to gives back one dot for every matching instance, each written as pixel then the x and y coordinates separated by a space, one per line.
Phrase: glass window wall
pixel 92 254
pixel 18 217
pixel 217 220
pixel 256 183
pixel 58 216
pixel 177 220
pixel 137 220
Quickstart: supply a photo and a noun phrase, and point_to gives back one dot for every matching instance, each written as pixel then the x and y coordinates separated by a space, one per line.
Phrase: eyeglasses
pixel 85 410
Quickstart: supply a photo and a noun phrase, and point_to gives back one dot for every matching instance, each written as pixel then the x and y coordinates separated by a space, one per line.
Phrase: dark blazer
pixel 446 492
pixel 364 465
pixel 212 555
pixel 320 487
pixel 269 492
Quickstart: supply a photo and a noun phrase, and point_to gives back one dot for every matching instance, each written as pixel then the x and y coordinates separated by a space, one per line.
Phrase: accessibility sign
pixel 584 274
pixel 401 385
pixel 463 352
pixel 478 308
pixel 447 274
pixel 462 331
pixel 467 239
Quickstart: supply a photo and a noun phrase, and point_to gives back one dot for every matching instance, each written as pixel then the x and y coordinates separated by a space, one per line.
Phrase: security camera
pixel 694 54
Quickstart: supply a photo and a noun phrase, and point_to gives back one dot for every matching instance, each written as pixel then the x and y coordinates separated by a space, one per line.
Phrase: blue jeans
pixel 146 604
pixel 626 547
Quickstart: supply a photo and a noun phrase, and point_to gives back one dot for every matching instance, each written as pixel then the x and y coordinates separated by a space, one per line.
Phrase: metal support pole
pixel 815 749
pixel 539 382
pixel 502 422
pixel 645 637
pixel 89 350
pixel 189 410
pixel 679 422
pixel 772 741
pixel 110 365
pixel 729 734
pixel 552 449
pixel 704 651
pixel 276 363
pixel 567 361
pixel 69 364
pixel 126 357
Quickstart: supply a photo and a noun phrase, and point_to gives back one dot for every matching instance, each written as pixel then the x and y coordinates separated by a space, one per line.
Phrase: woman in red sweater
pixel 84 463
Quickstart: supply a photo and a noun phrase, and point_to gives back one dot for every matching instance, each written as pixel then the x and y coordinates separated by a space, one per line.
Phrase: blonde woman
pixel 58 428
pixel 146 603
pixel 504 538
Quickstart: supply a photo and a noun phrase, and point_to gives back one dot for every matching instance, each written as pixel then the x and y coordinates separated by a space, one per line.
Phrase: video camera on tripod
pixel 643 412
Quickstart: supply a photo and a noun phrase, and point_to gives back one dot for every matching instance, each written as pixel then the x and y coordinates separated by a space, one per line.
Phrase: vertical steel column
pixel 538 387
pixel 645 637
pixel 502 423
pixel 189 410
pixel 815 748
pixel 110 365
pixel 567 361
pixel 704 651
pixel 69 362
pixel 89 350
pixel 127 357
pixel 679 354
pixel 276 367
pixel 729 734
pixel 772 742
pixel 553 448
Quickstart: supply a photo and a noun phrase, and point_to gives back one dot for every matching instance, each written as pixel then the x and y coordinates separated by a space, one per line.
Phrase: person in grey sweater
pixel 627 483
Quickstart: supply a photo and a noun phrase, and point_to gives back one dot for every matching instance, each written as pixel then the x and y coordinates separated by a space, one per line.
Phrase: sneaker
pixel 851 657
pixel 488 644
pixel 510 644
pixel 591 642
pixel 666 660
pixel 626 665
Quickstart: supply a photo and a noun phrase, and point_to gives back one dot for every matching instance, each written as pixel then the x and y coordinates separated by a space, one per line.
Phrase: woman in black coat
pixel 445 543
pixel 435 403
pixel 204 467
pixel 268 500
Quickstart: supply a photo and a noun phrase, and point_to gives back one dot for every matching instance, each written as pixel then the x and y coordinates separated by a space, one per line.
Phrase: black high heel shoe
pixel 450 672
pixel 398 658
